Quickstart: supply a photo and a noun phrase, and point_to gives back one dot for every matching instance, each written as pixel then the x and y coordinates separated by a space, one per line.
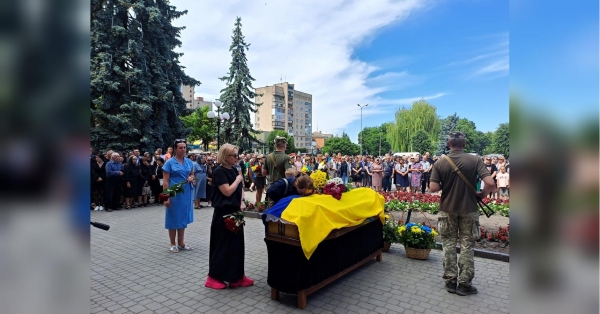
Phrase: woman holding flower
pixel 179 211
pixel 226 254
pixel 260 180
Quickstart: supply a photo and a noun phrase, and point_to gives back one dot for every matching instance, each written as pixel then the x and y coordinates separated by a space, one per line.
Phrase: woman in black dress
pixel 132 175
pixel 156 179
pixel 209 172
pixel 144 181
pixel 226 257
pixel 98 181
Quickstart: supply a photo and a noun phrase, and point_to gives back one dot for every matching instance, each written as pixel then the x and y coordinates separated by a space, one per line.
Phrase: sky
pixel 384 53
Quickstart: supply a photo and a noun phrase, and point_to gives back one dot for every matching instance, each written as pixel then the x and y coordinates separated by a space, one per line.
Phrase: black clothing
pixel 278 191
pixel 98 172
pixel 226 253
pixel 222 175
pixel 344 169
pixel 132 176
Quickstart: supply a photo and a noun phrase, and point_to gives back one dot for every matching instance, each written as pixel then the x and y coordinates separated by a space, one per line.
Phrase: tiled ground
pixel 133 271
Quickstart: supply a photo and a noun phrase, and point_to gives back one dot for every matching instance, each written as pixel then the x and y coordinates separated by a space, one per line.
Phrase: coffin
pixel 343 250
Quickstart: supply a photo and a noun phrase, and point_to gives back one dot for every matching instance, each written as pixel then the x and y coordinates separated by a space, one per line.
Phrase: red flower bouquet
pixel 235 221
pixel 171 192
pixel 334 190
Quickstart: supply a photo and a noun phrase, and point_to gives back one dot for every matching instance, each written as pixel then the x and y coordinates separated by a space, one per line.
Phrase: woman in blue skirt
pixel 179 211
pixel 401 175
pixel 200 173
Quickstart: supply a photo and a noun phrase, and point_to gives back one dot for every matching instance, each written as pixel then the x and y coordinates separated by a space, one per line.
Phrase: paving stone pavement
pixel 133 271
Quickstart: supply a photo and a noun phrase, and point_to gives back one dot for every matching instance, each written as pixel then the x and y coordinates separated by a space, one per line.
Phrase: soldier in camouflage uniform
pixel 459 215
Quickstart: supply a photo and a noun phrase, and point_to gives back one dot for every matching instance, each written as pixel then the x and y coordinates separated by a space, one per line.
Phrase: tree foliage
pixel 447 125
pixel 271 141
pixel 372 137
pixel 343 145
pixel 238 94
pixel 202 127
pixel 421 116
pixel 477 142
pixel 135 75
pixel 421 142
pixel 501 141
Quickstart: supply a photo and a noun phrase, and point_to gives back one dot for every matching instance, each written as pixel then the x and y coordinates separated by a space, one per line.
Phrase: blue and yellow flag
pixel 317 215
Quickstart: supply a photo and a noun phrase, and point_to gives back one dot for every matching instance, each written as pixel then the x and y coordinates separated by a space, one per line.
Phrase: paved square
pixel 133 271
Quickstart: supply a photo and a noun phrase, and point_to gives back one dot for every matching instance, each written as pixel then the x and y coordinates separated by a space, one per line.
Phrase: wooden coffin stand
pixel 341 252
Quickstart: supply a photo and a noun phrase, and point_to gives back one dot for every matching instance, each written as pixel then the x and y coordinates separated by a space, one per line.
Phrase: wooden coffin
pixel 342 251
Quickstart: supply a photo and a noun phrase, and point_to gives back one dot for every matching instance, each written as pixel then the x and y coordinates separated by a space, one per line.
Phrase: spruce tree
pixel 136 77
pixel 238 94
pixel 448 125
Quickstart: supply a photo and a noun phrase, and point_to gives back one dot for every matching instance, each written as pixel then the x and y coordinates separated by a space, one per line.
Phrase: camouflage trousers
pixel 465 229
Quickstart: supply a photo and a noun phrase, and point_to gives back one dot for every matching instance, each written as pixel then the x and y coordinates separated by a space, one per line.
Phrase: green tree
pixel 447 125
pixel 489 138
pixel 372 137
pixel 501 141
pixel 135 75
pixel 420 116
pixel 477 142
pixel 421 142
pixel 290 148
pixel 343 145
pixel 202 127
pixel 238 94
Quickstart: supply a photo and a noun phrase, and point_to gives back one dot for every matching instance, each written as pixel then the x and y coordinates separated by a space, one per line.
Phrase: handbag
pixel 146 189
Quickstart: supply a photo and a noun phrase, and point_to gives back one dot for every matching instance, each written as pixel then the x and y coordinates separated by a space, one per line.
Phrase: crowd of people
pixel 134 180
pixel 128 180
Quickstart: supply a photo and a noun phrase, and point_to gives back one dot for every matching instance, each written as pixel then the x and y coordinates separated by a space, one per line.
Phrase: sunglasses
pixel 177 141
pixel 234 155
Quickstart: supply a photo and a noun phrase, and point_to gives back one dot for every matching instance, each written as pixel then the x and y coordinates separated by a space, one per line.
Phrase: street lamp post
pixel 408 139
pixel 360 139
pixel 219 117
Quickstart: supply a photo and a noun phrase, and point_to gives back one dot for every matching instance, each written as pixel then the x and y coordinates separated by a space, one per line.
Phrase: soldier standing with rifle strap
pixel 459 215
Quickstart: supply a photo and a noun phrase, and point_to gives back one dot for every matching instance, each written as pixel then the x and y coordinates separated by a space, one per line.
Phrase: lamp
pixel 219 117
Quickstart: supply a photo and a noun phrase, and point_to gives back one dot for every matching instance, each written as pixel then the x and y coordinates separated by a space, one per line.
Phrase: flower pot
pixel 417 253
pixel 386 246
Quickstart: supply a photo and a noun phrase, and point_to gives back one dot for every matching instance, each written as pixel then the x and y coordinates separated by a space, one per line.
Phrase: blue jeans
pixel 387 183
pixel 345 179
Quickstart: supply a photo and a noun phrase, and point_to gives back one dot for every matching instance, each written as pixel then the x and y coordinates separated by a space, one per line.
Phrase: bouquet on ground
pixel 171 191
pixel 235 221
pixel 417 236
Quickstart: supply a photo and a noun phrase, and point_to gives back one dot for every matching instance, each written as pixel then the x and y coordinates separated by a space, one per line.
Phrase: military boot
pixel 464 290
pixel 451 286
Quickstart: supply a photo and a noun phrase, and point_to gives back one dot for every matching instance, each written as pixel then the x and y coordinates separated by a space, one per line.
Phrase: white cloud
pixel 309 43
pixel 492 60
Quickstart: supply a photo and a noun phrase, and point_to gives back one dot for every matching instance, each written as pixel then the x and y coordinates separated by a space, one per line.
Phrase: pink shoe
pixel 214 284
pixel 244 282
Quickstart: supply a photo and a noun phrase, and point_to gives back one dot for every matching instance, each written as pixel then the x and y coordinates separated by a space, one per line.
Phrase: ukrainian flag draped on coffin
pixel 317 215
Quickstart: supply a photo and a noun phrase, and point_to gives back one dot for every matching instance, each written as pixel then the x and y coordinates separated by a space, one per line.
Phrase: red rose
pixel 163 197
pixel 503 238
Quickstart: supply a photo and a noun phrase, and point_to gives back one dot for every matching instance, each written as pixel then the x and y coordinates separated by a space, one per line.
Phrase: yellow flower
pixel 401 229
pixel 304 169
pixel 433 233
pixel 386 216
pixel 415 229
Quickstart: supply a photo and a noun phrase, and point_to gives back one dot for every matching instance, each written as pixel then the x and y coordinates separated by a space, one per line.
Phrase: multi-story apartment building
pixel 199 102
pixel 188 94
pixel 284 108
